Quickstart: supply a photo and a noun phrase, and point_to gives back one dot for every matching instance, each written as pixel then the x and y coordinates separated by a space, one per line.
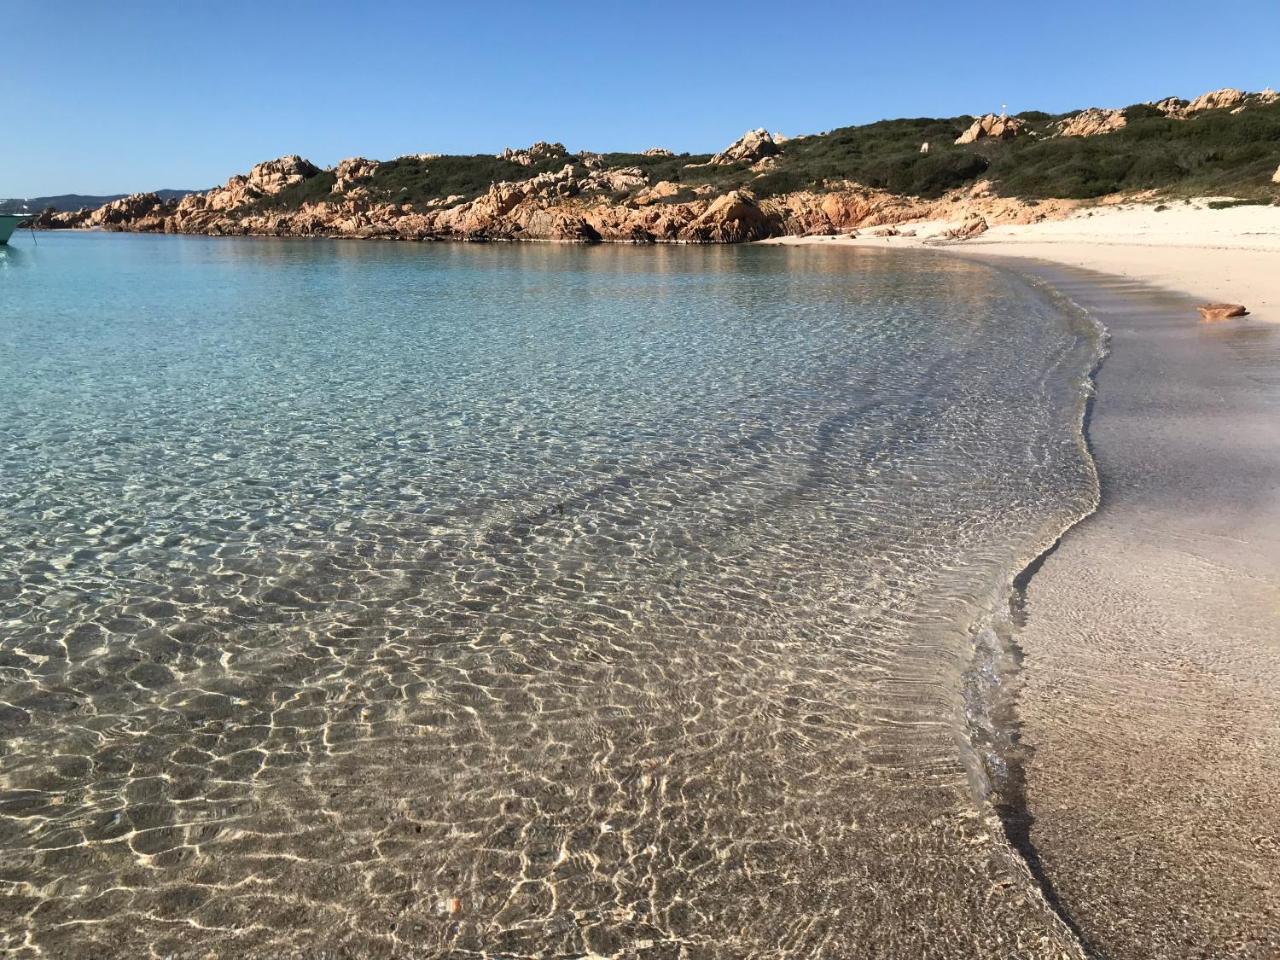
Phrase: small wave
pixel 993 682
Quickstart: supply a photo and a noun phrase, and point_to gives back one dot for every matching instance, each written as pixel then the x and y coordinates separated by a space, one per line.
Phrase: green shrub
pixel 934 174
pixel 1215 151
pixel 415 181
pixel 778 182
pixel 1242 202
pixel 656 168
pixel 312 190
pixel 1142 111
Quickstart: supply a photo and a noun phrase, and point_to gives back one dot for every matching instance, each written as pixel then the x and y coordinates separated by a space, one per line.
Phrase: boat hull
pixel 9 222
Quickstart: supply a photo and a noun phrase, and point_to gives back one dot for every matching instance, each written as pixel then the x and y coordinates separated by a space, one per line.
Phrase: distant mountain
pixel 75 201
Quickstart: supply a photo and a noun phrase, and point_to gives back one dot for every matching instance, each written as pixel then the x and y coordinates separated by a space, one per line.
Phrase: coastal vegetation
pixel 416 180
pixel 1215 151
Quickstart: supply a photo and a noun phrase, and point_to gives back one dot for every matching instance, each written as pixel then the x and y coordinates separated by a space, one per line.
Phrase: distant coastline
pixel 72 202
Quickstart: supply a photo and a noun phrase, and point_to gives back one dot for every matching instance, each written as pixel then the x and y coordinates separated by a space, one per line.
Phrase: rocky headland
pixel 992 169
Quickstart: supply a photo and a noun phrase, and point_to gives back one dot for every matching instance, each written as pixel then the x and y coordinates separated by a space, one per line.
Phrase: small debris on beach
pixel 971 227
pixel 1217 312
pixel 449 906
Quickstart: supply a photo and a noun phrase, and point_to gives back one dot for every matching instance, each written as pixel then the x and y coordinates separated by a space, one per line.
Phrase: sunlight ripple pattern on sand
pixel 522 601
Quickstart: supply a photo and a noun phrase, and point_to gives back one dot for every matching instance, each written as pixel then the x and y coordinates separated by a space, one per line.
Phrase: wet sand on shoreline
pixel 1151 697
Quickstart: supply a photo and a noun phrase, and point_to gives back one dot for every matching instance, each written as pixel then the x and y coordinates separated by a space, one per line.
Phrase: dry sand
pixel 1151 671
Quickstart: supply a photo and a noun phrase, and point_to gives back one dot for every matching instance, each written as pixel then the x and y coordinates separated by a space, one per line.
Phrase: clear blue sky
pixel 120 96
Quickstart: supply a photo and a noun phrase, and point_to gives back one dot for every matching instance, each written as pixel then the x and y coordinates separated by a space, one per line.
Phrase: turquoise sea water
pixel 518 600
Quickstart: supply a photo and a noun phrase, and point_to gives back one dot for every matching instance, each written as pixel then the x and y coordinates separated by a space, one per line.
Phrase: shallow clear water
pixel 512 600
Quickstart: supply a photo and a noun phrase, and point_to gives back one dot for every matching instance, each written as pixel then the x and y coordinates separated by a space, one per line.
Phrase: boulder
pixel 1092 122
pixel 133 207
pixel 807 213
pixel 617 180
pixel 1171 107
pixel 554 184
pixel 657 152
pixel 51 219
pixel 196 212
pixel 732 218
pixel 752 146
pixel 1223 99
pixel 1275 177
pixel 645 224
pixel 659 191
pixel 559 225
pixel 272 176
pixel 452 200
pixel 533 154
pixel 351 171
pixel 499 201
pixel 971 227
pixel 992 127
pixel 1217 312
pixel 1227 98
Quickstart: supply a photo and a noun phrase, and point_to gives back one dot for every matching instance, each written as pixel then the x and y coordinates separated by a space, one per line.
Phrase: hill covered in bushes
pixel 1223 143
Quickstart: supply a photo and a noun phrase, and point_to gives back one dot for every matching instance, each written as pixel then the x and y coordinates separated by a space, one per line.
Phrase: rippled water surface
pixel 428 600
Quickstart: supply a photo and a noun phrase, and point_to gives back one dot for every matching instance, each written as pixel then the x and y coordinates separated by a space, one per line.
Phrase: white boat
pixel 9 222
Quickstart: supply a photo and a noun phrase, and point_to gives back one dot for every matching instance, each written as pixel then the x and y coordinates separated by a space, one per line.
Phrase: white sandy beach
pixel 1230 255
